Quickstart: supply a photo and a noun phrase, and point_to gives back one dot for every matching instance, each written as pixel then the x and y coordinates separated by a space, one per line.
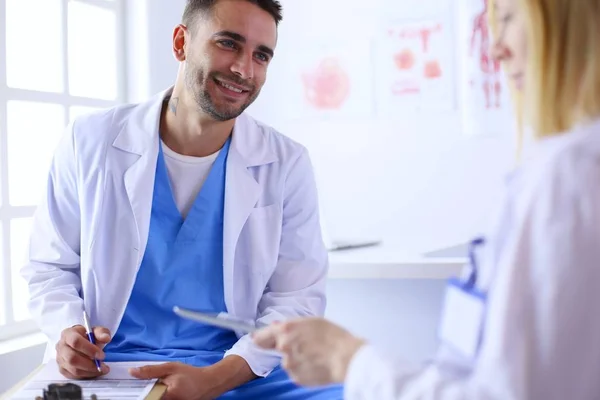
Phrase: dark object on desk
pixel 340 245
pixel 65 391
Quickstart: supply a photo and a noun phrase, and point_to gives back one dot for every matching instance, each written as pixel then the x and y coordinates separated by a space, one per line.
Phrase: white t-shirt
pixel 186 175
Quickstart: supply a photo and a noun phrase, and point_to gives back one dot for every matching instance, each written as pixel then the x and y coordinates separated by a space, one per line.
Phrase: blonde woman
pixel 523 323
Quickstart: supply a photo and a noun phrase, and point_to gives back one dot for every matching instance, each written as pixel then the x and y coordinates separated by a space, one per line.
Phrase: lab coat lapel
pixel 249 148
pixel 139 138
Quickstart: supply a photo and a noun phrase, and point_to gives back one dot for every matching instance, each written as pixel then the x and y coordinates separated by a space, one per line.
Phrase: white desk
pixel 388 261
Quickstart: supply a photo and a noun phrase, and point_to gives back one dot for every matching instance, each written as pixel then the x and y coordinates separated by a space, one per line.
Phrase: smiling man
pixel 183 200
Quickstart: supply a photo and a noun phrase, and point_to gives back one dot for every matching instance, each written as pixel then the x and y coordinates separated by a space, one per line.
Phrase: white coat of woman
pixel 529 324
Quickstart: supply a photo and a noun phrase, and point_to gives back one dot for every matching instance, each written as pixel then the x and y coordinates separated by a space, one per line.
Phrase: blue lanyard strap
pixel 472 246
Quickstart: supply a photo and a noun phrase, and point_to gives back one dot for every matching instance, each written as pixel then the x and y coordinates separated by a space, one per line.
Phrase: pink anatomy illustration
pixel 415 66
pixel 432 69
pixel 327 86
pixel 415 59
pixel 404 59
pixel 490 69
pixel 423 33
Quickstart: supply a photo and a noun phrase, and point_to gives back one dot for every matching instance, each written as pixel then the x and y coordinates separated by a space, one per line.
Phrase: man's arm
pixel 52 264
pixel 297 286
pixel 197 383
pixel 231 372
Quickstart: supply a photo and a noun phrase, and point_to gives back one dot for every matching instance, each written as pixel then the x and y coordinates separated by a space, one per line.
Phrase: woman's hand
pixel 315 351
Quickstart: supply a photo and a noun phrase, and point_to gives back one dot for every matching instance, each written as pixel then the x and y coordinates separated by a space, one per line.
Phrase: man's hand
pixel 194 383
pixel 182 381
pixel 75 354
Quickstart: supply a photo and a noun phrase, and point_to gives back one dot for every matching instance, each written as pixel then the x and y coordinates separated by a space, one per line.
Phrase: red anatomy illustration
pixel 490 68
pixel 328 86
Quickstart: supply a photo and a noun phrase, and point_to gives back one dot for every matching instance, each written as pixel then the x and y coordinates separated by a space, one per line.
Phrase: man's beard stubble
pixel 196 83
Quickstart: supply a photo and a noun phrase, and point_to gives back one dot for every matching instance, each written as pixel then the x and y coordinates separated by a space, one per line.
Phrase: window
pixel 58 59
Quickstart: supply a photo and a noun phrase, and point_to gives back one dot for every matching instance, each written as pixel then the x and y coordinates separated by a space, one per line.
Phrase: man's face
pixel 227 53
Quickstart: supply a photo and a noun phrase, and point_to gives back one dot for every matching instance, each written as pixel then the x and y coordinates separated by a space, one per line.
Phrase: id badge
pixel 462 318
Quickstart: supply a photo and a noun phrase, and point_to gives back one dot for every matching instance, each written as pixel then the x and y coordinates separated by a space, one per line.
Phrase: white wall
pixel 151 65
pixel 413 178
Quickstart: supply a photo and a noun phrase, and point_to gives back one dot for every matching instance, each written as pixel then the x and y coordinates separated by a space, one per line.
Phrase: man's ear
pixel 179 41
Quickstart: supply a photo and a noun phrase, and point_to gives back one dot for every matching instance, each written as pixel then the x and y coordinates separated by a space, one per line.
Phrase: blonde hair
pixel 563 69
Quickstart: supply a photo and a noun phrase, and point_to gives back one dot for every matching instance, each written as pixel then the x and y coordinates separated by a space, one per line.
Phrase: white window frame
pixel 8 212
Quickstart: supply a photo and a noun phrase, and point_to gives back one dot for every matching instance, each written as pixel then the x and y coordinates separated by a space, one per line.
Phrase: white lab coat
pixel 90 231
pixel 541 271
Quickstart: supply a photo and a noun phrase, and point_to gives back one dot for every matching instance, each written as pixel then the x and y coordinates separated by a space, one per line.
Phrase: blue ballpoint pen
pixel 90 334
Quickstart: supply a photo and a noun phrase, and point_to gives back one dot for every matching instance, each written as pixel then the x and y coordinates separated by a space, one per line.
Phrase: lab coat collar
pixel 585 134
pixel 249 139
pixel 141 127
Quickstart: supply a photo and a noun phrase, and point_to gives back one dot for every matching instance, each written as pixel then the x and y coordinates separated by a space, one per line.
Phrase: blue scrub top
pixel 183 266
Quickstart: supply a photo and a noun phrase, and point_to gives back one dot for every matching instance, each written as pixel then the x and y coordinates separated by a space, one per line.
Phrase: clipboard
pixel 157 392
pixel 221 320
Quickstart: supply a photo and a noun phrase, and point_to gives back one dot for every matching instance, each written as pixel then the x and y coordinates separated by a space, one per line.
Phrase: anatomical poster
pixel 485 96
pixel 331 82
pixel 415 68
